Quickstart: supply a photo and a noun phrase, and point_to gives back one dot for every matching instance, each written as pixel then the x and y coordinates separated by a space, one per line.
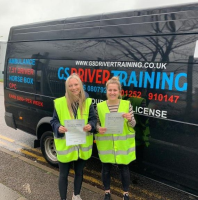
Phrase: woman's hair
pixel 72 99
pixel 114 80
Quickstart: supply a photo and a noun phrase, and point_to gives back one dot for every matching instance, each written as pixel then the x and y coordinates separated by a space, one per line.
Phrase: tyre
pixel 48 148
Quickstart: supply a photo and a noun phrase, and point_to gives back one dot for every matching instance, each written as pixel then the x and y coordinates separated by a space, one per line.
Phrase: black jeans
pixel 106 176
pixel 63 177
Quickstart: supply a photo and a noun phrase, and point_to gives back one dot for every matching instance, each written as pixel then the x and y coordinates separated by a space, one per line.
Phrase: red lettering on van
pixel 38 103
pixel 87 75
pixel 12 69
pixel 98 75
pixel 12 96
pixel 91 75
pixel 25 71
pixel 73 70
pixel 13 86
pixel 105 76
pixel 81 74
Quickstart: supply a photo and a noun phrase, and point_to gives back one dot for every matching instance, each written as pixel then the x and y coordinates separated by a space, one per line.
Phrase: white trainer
pixel 77 197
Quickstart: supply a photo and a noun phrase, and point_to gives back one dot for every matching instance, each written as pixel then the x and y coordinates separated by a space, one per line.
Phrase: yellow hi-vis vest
pixel 73 152
pixel 115 148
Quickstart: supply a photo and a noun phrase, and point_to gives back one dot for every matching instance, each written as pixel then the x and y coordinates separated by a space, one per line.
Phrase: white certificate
pixel 114 122
pixel 75 134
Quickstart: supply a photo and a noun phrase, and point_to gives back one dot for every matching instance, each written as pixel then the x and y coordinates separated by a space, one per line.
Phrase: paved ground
pixel 22 179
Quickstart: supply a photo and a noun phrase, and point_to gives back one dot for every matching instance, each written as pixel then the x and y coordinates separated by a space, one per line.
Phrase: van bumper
pixel 9 119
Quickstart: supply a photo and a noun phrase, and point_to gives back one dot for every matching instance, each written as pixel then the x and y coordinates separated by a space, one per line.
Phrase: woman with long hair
pixel 74 105
pixel 115 148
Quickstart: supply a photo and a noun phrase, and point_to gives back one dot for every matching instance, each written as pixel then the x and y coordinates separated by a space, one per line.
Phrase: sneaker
pixel 76 197
pixel 126 196
pixel 107 196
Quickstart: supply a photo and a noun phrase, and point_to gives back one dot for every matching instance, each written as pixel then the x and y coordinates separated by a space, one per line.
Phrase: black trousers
pixel 63 177
pixel 124 172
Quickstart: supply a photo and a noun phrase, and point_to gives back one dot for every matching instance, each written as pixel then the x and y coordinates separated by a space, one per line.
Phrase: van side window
pixel 47 81
pixel 151 48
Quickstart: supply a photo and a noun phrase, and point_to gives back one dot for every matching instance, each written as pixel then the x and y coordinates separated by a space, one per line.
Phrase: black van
pixel 155 54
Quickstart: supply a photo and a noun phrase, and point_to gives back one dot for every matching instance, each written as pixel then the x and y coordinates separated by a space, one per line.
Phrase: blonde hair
pixel 114 80
pixel 72 99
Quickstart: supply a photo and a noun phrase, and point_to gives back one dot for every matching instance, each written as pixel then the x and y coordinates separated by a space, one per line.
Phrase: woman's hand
pixel 62 129
pixel 127 116
pixel 102 130
pixel 87 128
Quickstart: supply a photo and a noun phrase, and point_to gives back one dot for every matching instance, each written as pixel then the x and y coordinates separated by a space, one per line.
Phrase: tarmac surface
pixel 24 179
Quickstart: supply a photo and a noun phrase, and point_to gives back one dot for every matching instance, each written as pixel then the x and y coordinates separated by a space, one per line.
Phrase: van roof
pixel 169 20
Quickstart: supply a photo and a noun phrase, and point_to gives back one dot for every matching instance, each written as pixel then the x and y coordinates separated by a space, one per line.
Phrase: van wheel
pixel 48 148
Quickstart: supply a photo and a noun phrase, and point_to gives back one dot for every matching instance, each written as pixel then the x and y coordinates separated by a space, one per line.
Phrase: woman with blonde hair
pixel 115 148
pixel 74 105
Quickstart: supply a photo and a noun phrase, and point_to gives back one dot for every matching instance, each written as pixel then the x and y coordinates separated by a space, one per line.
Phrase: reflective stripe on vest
pixel 115 148
pixel 115 137
pixel 74 148
pixel 117 152
pixel 69 153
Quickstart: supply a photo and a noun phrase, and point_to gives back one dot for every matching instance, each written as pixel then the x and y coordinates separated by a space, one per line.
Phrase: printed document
pixel 114 123
pixel 75 134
